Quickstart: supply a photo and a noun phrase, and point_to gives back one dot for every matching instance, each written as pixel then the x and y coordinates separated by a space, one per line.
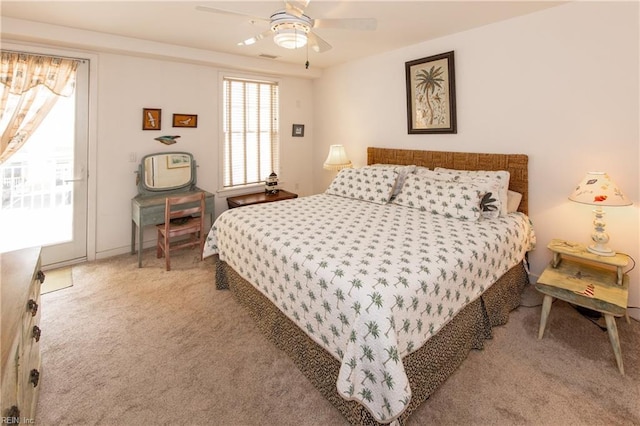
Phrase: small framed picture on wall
pixel 298 130
pixel 151 118
pixel 185 120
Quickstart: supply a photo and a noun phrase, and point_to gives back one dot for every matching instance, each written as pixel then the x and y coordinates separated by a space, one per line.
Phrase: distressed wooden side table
pixel 582 278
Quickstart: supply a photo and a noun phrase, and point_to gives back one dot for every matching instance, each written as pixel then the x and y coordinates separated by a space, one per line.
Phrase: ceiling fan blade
pixel 256 38
pixel 364 24
pixel 317 43
pixel 296 7
pixel 209 9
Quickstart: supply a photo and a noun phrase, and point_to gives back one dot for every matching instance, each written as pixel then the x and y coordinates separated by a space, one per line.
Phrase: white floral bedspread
pixel 370 283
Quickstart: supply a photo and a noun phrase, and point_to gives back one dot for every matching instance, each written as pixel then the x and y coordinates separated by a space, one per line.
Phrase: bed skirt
pixel 427 368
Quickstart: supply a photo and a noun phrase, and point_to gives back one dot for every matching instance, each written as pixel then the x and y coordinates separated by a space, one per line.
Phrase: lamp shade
pixel 337 158
pixel 597 189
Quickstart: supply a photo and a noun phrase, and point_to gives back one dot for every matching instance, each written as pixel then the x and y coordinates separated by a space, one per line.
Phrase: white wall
pixel 560 85
pixel 126 85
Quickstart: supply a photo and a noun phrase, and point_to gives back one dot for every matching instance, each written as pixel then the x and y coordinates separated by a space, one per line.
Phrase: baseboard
pixel 64 264
pixel 122 250
pixel 112 252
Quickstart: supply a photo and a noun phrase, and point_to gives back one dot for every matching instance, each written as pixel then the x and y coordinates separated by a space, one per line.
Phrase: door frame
pixel 92 134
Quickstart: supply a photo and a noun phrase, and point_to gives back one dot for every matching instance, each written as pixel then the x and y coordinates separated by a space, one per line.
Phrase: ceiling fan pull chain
pixel 306 64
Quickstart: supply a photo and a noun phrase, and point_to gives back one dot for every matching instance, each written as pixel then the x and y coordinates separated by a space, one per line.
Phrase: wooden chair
pixel 182 216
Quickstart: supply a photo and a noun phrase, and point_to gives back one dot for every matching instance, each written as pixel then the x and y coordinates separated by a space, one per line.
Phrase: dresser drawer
pixel 29 379
pixel 31 331
pixel 30 317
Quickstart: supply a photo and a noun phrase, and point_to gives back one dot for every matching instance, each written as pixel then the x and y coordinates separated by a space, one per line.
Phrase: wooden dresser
pixel 20 280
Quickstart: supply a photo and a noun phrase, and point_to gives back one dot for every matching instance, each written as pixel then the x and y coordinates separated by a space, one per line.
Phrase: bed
pixel 378 302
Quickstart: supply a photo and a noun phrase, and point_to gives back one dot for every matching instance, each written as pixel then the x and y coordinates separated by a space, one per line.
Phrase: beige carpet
pixel 56 279
pixel 129 346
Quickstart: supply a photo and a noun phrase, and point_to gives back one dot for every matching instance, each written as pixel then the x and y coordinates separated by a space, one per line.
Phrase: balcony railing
pixel 29 186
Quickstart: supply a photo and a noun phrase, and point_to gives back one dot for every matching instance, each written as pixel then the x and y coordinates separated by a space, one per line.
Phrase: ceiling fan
pixel 292 29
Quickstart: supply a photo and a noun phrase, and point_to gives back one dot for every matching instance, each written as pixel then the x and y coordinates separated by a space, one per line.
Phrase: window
pixel 251 131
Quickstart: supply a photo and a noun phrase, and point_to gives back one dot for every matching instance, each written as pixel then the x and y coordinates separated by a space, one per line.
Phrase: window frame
pixel 222 76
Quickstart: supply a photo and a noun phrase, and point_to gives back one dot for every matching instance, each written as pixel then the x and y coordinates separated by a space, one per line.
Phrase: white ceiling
pixel 400 23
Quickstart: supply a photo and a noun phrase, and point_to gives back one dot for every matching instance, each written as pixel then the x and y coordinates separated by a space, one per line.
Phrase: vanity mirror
pixel 166 171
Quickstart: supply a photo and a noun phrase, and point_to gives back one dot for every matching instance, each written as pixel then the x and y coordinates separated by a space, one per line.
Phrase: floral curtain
pixel 31 85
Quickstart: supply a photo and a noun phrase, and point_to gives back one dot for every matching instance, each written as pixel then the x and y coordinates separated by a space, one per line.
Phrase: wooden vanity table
pixel 162 175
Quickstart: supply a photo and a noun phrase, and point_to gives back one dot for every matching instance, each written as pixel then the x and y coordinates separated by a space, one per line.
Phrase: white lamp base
pixel 601 250
pixel 599 236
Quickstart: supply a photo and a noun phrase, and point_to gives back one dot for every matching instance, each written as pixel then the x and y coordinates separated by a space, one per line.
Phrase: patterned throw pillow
pixel 367 184
pixel 490 203
pixel 460 200
pixel 500 176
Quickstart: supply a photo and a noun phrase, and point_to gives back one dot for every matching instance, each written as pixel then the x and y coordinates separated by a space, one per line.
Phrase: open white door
pixel 44 184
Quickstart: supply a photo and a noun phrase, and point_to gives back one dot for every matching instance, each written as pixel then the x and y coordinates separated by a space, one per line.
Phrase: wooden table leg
pixel 139 246
pixel 133 237
pixel 546 308
pixel 620 275
pixel 612 329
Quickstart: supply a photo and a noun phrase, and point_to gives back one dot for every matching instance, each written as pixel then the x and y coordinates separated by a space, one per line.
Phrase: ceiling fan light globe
pixel 290 38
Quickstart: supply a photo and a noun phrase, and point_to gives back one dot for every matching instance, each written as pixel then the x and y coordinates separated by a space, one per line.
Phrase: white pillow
pixel 513 201
pixel 367 184
pixel 501 176
pixel 460 200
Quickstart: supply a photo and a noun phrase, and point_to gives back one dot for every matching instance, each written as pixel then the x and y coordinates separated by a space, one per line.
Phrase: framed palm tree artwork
pixel 431 94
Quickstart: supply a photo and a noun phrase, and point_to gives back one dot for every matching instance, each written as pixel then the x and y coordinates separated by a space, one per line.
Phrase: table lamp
pixel 597 189
pixel 337 159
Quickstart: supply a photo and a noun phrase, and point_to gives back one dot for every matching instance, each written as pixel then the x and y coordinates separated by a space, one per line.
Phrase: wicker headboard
pixel 515 164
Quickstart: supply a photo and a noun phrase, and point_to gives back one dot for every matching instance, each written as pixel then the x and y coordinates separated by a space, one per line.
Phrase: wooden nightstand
pixel 258 198
pixel 582 278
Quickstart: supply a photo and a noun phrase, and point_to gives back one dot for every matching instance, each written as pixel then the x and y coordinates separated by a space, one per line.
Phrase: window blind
pixel 251 131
